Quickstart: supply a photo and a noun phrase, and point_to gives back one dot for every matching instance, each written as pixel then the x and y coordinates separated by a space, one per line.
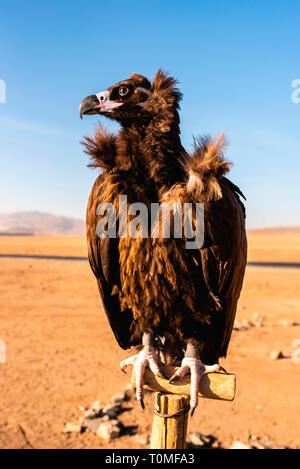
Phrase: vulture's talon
pixel 146 357
pixel 125 363
pixel 141 401
pixel 197 369
pixel 174 379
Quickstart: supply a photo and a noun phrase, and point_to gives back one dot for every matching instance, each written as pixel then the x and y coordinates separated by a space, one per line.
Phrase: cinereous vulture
pixel 177 302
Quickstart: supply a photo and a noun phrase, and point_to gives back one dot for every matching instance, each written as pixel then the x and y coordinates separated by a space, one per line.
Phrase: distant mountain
pixel 39 223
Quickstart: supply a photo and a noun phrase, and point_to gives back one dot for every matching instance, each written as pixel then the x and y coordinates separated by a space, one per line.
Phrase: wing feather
pixel 103 256
pixel 224 254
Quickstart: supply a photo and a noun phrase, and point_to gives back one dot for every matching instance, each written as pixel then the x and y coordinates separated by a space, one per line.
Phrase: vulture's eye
pixel 123 90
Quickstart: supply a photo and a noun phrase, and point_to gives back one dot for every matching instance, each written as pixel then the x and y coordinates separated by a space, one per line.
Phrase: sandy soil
pixel 61 353
pixel 274 248
pixel 44 245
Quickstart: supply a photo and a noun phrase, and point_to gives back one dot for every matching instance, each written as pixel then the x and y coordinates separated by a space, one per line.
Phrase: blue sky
pixel 235 61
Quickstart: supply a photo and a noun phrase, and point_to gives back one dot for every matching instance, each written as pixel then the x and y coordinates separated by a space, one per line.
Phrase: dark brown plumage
pixel 156 284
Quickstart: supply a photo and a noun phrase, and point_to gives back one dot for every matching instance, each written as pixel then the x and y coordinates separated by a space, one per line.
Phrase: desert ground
pixel 61 353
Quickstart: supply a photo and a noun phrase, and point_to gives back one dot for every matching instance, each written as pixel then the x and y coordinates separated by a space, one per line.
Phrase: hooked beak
pixel 97 103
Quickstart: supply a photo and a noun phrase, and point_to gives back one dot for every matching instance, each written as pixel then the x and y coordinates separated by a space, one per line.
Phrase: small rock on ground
pixel 97 406
pixel 198 439
pixel 72 428
pixel 287 322
pixel 129 391
pixel 258 320
pixel 118 398
pixel 141 438
pixel 276 355
pixel 239 445
pixel 91 413
pixel 106 429
pixel 109 430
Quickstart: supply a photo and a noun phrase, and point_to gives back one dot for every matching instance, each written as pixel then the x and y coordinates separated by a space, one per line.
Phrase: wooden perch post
pixel 169 430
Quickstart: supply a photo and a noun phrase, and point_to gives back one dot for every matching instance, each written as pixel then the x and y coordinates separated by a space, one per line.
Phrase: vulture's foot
pixel 146 357
pixel 197 369
pixel 191 364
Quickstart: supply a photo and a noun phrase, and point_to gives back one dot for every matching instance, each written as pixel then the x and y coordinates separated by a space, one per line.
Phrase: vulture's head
pixel 124 100
pixel 134 99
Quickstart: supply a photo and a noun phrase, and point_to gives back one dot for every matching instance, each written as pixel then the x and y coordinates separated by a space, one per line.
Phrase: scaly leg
pixel 146 357
pixel 193 365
